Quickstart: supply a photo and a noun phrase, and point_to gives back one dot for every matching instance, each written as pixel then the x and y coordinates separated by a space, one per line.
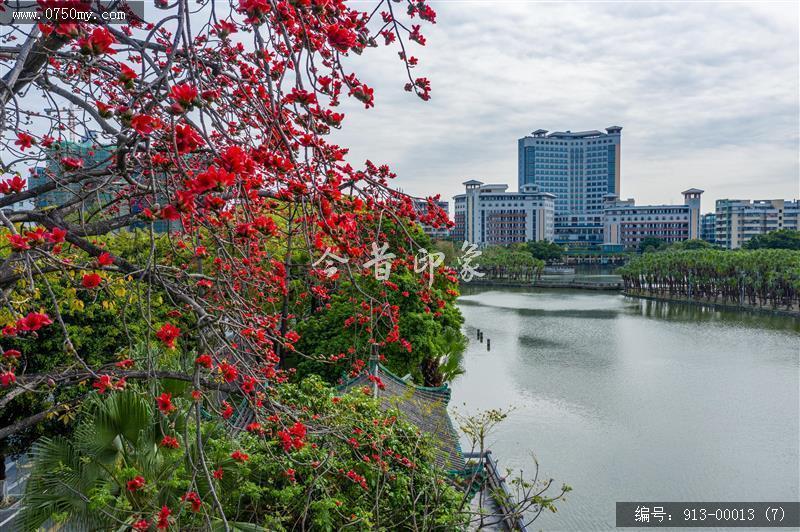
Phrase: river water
pixel 634 400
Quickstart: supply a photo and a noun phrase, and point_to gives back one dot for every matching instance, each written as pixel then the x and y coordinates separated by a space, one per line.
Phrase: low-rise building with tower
pixel 626 224
pixel 487 214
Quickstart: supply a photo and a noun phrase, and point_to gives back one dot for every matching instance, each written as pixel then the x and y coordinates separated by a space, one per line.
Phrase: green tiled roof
pixel 424 406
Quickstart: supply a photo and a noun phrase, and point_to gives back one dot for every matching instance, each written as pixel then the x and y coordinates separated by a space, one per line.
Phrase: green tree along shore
pixel 768 278
pixel 511 263
pixel 782 239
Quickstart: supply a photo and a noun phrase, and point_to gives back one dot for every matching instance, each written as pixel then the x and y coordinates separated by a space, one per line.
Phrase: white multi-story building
pixel 740 220
pixel 440 232
pixel 489 215
pixel 627 224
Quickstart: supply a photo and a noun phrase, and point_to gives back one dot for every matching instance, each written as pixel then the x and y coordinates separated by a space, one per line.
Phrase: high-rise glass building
pixel 580 169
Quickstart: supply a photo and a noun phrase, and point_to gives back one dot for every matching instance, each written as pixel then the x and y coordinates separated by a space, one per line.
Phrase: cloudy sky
pixel 706 93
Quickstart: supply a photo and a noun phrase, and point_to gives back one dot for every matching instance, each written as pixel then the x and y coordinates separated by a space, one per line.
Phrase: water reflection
pixel 628 399
pixel 697 313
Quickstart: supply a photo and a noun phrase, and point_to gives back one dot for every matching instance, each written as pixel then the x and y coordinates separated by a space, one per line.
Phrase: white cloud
pixel 707 94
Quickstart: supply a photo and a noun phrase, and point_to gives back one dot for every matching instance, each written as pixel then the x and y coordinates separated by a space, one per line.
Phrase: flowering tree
pixel 205 127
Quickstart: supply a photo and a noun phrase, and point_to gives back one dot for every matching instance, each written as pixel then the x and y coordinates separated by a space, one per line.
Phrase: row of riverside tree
pixel 763 278
pixel 512 263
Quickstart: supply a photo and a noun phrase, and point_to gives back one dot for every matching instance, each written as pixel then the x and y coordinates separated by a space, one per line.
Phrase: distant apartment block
pixel 626 224
pixel 791 215
pixel 490 215
pixel 434 232
pixel 92 156
pixel 708 227
pixel 580 169
pixel 737 221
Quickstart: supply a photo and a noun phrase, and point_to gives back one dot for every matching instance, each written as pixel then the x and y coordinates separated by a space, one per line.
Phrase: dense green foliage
pixel 692 244
pixel 333 343
pixel 545 250
pixel 316 485
pixel 650 244
pixel 101 325
pixel 510 263
pixel 758 277
pixel 783 239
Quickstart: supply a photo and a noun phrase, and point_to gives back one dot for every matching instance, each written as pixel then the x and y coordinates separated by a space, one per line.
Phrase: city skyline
pixel 707 96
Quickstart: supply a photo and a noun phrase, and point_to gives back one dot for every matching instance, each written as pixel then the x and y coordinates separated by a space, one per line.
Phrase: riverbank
pixel 794 313
pixel 555 281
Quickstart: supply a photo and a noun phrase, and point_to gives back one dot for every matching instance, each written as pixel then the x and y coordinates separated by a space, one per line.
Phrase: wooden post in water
pixel 488 344
pixel 479 334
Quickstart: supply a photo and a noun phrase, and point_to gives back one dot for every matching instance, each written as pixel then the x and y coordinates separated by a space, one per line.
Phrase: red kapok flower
pixel 340 38
pixel 225 28
pixel 126 73
pixel 105 383
pixel 168 334
pixel 98 42
pixel 11 353
pixel 7 378
pixel 125 364
pixel 218 473
pixel 142 525
pixel 104 110
pixel 24 141
pixel 194 499
pixel 248 384
pixel 229 372
pixel 105 259
pixel 293 437
pixel 184 94
pixel 91 280
pixel 56 235
pixel 169 212
pixel 170 442
pixel 227 411
pixel 136 483
pixel 163 518
pixel 33 321
pixel 187 139
pixel 239 456
pixel 71 163
pixel 203 360
pixel 15 184
pixel 144 124
pixel 255 9
pixel 164 402
pixel 18 242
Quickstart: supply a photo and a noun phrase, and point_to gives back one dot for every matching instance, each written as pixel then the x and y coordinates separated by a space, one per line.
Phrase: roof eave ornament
pixel 373 369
